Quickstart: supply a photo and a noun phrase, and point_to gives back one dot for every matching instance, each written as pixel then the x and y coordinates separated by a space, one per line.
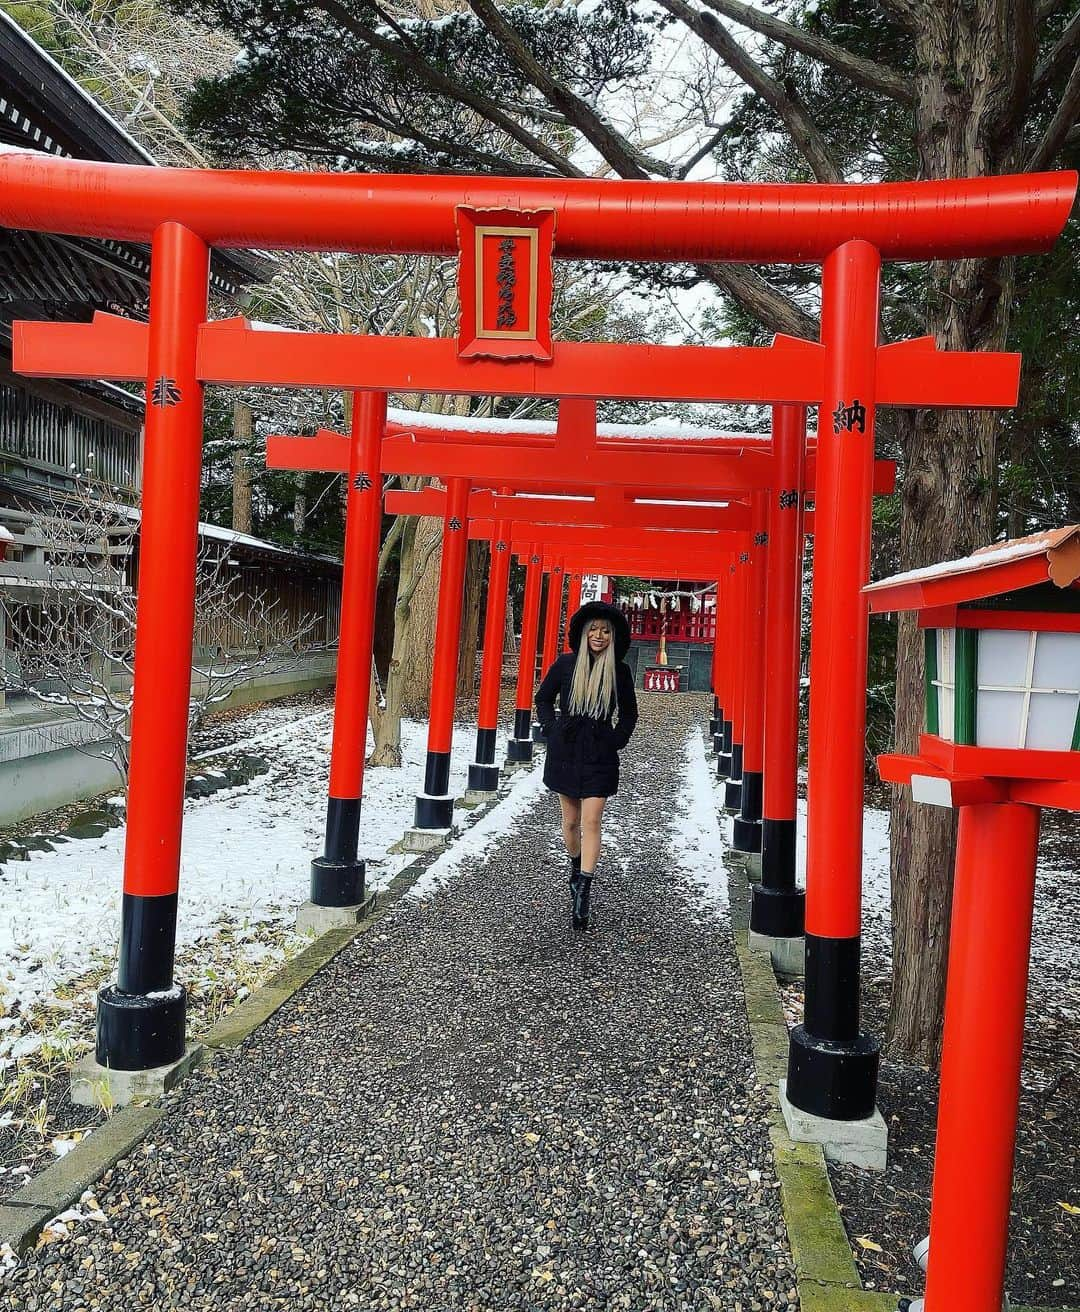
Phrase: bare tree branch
pixel 405 55
pixel 74 635
pixel 1060 57
pixel 613 146
pixel 804 132
pixel 1060 125
pixel 776 311
pixel 865 73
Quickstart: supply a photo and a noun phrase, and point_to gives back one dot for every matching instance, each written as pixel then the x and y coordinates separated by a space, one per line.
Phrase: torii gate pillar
pixel 552 616
pixel 716 718
pixel 746 829
pixel 777 905
pixel 483 772
pixel 744 599
pixel 337 877
pixel 434 812
pixel 520 747
pixel 573 603
pixel 832 1065
pixel 141 1018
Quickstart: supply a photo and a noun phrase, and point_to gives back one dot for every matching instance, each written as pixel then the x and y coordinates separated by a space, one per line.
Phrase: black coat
pixel 583 752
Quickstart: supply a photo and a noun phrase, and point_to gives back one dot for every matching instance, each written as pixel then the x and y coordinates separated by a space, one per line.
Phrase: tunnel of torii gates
pixel 506 233
pixel 609 527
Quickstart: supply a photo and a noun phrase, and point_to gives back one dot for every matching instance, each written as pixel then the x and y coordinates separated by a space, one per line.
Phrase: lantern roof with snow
pixel 1002 638
pixel 991 576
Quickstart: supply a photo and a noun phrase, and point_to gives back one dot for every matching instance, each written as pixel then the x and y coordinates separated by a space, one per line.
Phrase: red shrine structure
pixel 506 232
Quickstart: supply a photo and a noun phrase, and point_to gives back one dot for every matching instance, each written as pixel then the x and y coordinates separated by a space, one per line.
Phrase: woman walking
pixel 598 712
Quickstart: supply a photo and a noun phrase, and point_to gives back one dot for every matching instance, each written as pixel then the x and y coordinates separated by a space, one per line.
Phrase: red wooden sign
pixel 505 283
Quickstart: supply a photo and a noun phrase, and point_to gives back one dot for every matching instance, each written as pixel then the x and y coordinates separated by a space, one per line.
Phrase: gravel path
pixel 473 1108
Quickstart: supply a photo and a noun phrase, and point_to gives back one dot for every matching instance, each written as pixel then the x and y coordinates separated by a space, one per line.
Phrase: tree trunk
pixel 299 514
pixel 386 720
pixel 975 70
pixel 419 639
pixel 243 432
pixel 476 566
pixel 510 637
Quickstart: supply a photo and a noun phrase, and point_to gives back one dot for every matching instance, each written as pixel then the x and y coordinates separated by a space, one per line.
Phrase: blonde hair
pixel 592 689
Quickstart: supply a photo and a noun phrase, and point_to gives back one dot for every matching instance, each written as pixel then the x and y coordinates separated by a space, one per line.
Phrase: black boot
pixel 575 872
pixel 581 901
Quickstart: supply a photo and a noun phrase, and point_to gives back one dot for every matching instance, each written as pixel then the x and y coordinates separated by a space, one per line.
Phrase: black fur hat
pixel 601 610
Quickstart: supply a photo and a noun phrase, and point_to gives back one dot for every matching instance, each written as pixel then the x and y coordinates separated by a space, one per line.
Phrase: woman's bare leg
pixel 592 813
pixel 571 825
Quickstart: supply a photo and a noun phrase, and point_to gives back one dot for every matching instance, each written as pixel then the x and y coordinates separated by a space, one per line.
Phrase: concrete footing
pixel 312 919
pixel 419 841
pixel 788 954
pixel 862 1143
pixel 752 866
pixel 102 1086
pixel 477 797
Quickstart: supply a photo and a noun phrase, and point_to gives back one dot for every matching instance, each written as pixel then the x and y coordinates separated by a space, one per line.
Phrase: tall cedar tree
pixel 894 89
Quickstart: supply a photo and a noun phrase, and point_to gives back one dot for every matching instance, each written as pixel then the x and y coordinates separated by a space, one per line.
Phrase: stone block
pixel 862 1143
pixel 477 797
pixel 788 954
pixel 425 840
pixel 312 919
pixel 95 1086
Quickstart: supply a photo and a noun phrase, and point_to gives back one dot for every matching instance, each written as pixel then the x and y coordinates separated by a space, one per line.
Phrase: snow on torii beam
pixel 688 468
pixel 769 223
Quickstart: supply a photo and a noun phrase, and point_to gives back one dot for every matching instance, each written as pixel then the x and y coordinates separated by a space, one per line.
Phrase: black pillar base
pixel 753 784
pixel 337 883
pixel 433 812
pixel 136 1032
pixel 723 764
pixel 733 795
pixel 746 835
pixel 714 726
pixel 718 742
pixel 519 749
pixel 538 734
pixel 486 742
pixel 834 1080
pixel 778 839
pixel 778 912
pixel 483 778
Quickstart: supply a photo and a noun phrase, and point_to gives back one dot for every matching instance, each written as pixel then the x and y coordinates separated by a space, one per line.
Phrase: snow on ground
pixel 246 853
pixel 699 842
pixel 477 842
pixel 1055 945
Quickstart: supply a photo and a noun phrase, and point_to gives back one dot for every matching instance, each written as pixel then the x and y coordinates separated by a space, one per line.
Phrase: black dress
pixel 583 752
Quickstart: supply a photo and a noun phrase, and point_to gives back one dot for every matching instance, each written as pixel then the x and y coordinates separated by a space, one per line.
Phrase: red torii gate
pixel 583 453
pixel 848 229
pixel 495 452
pixel 777 908
pixel 434 806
